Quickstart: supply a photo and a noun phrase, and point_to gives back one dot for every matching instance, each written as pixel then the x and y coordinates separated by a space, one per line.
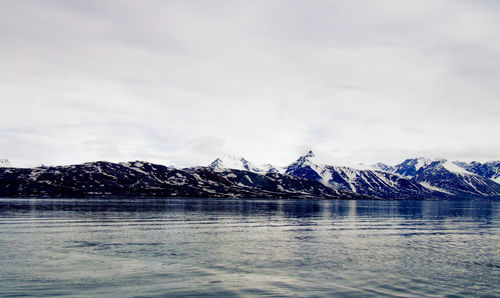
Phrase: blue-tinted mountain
pixel 410 167
pixel 366 181
pixel 450 177
pixel 490 170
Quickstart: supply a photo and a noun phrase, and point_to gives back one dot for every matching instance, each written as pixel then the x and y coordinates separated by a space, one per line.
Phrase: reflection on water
pixel 149 247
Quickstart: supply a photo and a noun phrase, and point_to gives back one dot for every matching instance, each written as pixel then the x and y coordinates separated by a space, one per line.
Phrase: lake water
pixel 213 247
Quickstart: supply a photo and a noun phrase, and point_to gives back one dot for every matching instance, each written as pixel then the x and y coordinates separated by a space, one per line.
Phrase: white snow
pixel 422 162
pixel 454 168
pixel 354 175
pixel 100 171
pixel 248 178
pixel 384 179
pixel 236 163
pixel 351 176
pixel 140 171
pixel 326 176
pixel 467 179
pixel 427 185
pixel 323 159
pixel 134 166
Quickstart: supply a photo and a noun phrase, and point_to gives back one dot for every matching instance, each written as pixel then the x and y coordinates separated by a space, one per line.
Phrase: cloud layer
pixel 178 82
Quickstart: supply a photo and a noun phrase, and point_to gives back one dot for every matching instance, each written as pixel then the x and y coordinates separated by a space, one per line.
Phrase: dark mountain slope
pixel 147 179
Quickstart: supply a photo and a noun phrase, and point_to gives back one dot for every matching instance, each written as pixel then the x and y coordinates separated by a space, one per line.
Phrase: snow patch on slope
pixel 454 168
pixel 427 185
pixel 422 162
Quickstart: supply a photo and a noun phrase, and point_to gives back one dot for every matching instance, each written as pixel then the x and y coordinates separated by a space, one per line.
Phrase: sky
pixel 182 82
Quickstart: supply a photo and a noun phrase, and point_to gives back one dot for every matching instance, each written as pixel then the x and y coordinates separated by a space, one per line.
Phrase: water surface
pixel 212 247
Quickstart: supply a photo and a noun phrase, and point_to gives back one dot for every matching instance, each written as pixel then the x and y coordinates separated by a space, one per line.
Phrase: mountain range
pixel 229 176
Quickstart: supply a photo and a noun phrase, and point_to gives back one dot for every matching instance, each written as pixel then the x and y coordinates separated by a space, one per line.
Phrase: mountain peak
pixel 305 159
pixel 320 159
pixel 310 154
pixel 232 162
pixel 217 164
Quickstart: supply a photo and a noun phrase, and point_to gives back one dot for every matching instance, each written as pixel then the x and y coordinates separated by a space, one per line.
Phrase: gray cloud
pixel 176 81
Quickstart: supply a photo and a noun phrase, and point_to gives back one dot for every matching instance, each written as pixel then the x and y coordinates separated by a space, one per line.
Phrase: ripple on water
pixel 249 247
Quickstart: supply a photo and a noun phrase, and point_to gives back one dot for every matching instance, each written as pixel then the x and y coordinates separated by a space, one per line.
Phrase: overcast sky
pixel 180 82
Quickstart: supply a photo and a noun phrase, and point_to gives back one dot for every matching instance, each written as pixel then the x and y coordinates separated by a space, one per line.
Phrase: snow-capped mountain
pixel 409 167
pixel 490 170
pixel 239 163
pixel 141 178
pixel 4 163
pixel 448 176
pixel 361 180
pixel 307 177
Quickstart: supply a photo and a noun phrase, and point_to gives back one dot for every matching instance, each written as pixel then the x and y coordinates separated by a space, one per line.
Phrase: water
pixel 179 247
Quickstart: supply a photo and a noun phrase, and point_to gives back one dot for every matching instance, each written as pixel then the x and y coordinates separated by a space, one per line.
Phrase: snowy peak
pixel 359 179
pixel 309 154
pixel 305 167
pixel 416 166
pixel 411 167
pixel 313 160
pixel 455 167
pixel 233 162
pixel 320 160
pixel 489 170
pixel 306 159
pixel 452 177
pixel 4 163
pixel 217 164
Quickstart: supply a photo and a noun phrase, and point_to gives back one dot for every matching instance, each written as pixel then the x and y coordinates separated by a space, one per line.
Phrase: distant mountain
pixel 307 177
pixel 410 167
pixel 152 180
pixel 490 170
pixel 4 163
pixel 451 177
pixel 239 163
pixel 377 183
